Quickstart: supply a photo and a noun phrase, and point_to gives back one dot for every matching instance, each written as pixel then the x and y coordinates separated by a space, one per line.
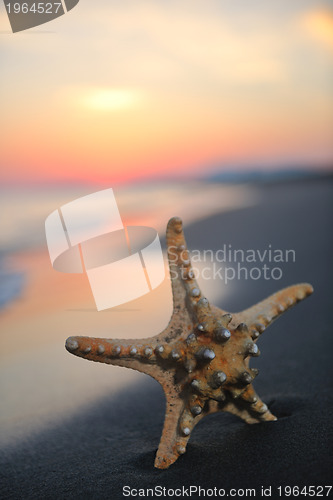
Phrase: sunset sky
pixel 115 91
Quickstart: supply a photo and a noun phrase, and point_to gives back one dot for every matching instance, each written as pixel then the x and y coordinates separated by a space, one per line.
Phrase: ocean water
pixel 22 228
pixel 11 284
pixel 24 210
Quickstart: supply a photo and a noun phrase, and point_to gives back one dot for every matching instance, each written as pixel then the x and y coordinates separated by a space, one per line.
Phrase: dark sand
pixel 113 444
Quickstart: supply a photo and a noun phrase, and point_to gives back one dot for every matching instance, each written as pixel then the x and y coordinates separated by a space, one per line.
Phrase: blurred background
pixel 189 108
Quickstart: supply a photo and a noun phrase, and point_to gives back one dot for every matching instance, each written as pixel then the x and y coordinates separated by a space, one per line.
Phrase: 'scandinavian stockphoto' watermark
pixel 228 263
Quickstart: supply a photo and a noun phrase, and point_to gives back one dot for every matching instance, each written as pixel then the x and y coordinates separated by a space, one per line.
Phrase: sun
pixel 110 99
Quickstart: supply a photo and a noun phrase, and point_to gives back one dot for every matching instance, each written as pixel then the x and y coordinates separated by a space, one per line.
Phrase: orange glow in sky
pixel 115 91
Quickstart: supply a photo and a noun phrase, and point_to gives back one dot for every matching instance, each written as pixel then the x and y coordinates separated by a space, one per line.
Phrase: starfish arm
pixel 189 304
pixel 178 425
pixel 248 414
pixel 170 446
pixel 138 354
pixel 249 407
pixel 261 315
pixel 179 263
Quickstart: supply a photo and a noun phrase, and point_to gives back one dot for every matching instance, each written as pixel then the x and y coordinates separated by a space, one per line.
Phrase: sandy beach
pixel 75 429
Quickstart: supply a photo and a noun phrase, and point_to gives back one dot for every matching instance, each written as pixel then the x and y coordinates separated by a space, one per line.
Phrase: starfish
pixel 202 357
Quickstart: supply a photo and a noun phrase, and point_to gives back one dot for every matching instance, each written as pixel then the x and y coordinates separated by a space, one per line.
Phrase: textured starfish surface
pixel 202 357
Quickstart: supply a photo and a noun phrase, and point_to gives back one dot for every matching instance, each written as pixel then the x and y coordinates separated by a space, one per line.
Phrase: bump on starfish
pixel 202 357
